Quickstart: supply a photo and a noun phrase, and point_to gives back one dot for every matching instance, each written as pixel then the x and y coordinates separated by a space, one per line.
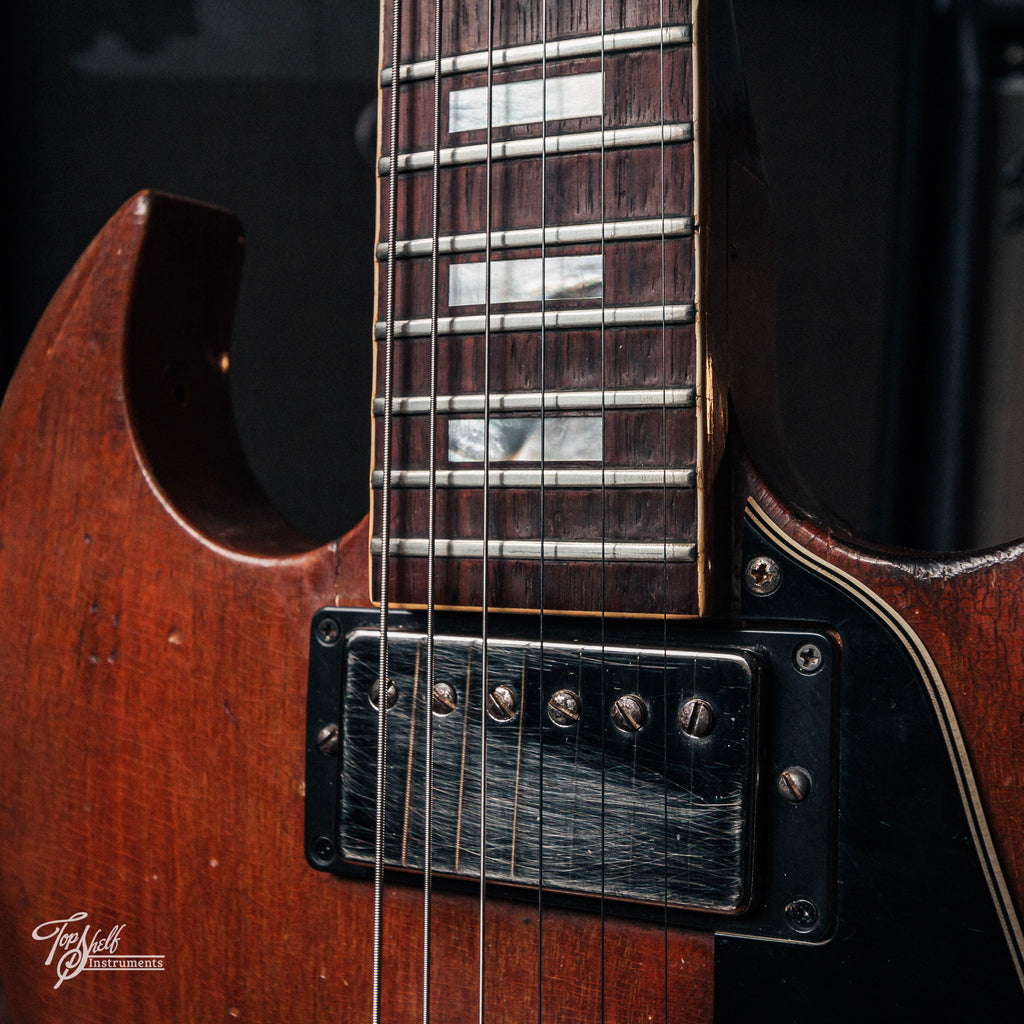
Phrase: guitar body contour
pixel 157 620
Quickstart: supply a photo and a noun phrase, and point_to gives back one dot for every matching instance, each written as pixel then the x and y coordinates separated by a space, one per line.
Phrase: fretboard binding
pixel 550 145
pixel 535 550
pixel 526 238
pixel 567 319
pixel 554 479
pixel 534 401
pixel 533 53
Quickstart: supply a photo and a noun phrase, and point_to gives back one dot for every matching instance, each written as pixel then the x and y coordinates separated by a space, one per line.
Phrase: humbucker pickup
pixel 625 768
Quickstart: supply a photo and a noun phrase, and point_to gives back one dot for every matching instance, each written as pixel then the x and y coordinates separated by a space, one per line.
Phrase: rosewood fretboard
pixel 577 352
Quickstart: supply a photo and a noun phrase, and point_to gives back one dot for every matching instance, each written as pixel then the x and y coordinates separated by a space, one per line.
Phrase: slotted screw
pixel 629 713
pixel 564 708
pixel 794 784
pixel 443 699
pixel 696 718
pixel 390 697
pixel 327 739
pixel 502 704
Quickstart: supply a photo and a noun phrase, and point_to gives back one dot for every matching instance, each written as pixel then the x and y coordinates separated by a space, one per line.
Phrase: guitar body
pixel 179 833
pixel 154 706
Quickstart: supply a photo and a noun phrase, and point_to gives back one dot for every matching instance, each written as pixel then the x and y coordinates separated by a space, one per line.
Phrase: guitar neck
pixel 548 301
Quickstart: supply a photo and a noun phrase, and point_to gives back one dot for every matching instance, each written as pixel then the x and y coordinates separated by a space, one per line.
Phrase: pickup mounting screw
pixel 564 708
pixel 762 576
pixel 629 713
pixel 323 849
pixel 328 631
pixel 808 658
pixel 443 699
pixel 696 718
pixel 390 696
pixel 502 704
pixel 802 915
pixel 327 739
pixel 794 784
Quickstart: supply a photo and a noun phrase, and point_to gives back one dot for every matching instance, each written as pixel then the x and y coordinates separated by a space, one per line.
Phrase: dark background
pixel 889 128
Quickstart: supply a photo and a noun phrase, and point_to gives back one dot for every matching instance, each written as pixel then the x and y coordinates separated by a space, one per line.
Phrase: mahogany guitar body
pixel 831 832
pixel 157 627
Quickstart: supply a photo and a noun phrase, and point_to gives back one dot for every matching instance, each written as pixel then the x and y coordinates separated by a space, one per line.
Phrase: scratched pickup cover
pixel 657 816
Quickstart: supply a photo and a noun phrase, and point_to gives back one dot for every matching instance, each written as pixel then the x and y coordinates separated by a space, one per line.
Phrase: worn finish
pixel 153 699
pixel 966 608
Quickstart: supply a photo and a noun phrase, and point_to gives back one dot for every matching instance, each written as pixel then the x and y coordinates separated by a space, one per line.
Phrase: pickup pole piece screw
pixel 390 698
pixel 794 784
pixel 443 700
pixel 564 708
pixel 629 713
pixel 696 718
pixel 762 576
pixel 327 739
pixel 502 704
pixel 808 658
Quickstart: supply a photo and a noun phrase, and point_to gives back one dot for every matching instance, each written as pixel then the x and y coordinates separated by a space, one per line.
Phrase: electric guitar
pixel 586 721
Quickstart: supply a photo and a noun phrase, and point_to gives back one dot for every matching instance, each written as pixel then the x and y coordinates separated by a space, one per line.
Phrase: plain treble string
pixel 385 525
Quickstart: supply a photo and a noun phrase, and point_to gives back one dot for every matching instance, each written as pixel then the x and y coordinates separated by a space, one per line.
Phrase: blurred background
pixel 893 136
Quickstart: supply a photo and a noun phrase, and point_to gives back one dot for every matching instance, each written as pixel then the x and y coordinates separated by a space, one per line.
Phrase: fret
pixel 579 142
pixel 535 53
pixel 464 26
pixel 583 188
pixel 529 238
pixel 551 479
pixel 534 401
pixel 572 319
pixel 535 550
pixel 618 358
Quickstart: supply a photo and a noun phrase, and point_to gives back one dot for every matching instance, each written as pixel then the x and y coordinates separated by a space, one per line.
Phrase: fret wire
pixel 385 536
pixel 535 53
pixel 513 149
pixel 553 550
pixel 535 401
pixel 473 479
pixel 532 238
pixel 428 806
pixel 572 319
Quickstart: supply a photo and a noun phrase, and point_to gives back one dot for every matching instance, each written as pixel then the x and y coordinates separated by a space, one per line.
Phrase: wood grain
pixel 968 610
pixel 153 699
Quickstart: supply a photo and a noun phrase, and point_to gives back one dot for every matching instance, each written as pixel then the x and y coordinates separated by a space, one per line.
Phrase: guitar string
pixel 485 512
pixel 428 774
pixel 385 527
pixel 541 577
pixel 664 504
pixel 603 339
